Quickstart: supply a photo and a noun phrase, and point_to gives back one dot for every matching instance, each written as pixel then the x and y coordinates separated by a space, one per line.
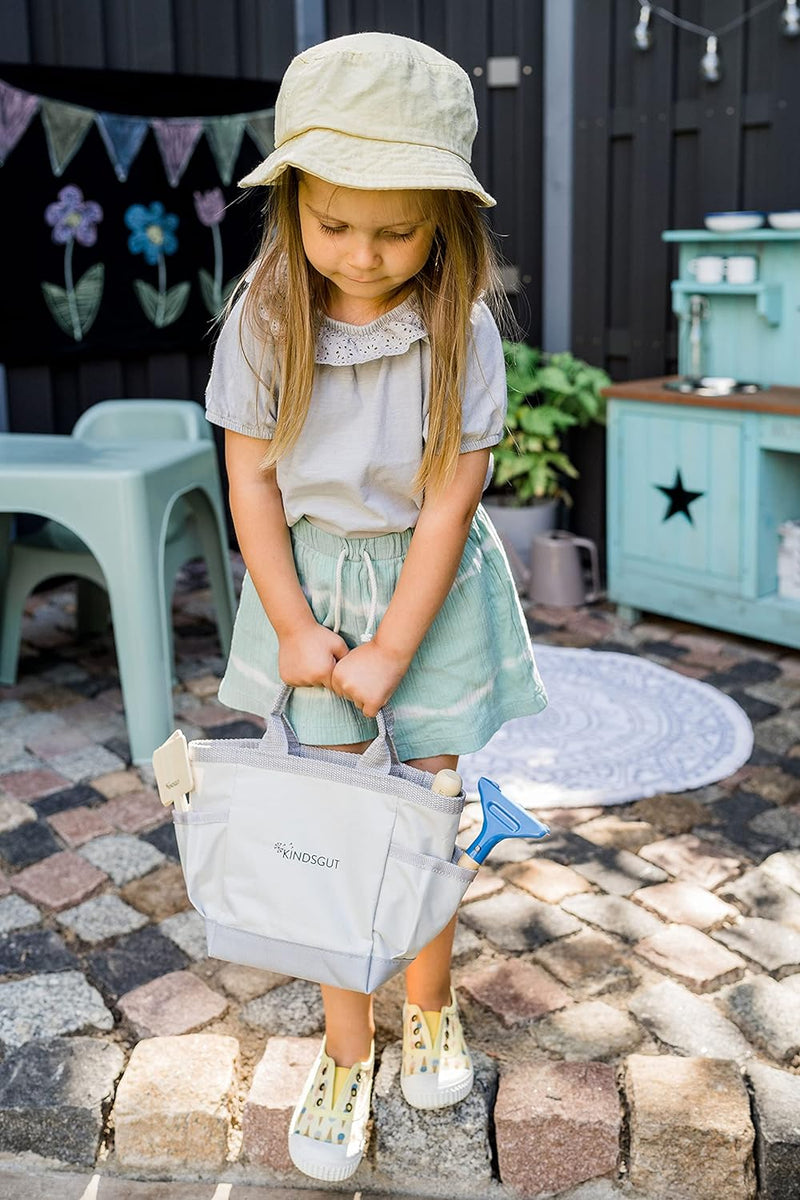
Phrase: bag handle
pixel 280 738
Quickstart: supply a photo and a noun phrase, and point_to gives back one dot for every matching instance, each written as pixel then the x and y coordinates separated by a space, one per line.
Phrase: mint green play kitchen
pixel 704 468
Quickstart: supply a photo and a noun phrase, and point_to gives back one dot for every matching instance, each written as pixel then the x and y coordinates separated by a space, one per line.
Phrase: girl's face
pixel 368 245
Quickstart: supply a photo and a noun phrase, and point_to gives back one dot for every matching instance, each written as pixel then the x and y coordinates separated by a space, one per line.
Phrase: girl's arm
pixel 371 673
pixel 308 652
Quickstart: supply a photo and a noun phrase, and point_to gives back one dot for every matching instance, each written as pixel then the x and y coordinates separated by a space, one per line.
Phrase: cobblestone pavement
pixel 630 987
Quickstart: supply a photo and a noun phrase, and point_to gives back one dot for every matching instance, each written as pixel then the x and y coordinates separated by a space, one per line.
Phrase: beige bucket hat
pixel 377 111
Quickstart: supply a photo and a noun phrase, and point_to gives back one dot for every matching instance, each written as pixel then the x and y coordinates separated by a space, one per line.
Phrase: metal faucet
pixel 698 312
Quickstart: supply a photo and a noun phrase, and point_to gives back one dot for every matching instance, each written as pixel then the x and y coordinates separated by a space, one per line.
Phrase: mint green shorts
pixel 473 671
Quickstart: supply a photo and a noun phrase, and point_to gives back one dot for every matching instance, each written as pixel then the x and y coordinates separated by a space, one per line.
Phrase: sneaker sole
pixel 331 1172
pixel 419 1095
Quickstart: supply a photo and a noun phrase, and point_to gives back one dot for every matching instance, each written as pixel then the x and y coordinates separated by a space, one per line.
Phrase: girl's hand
pixel 308 655
pixel 368 676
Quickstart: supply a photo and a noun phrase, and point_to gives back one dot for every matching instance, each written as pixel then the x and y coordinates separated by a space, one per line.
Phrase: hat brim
pixel 364 163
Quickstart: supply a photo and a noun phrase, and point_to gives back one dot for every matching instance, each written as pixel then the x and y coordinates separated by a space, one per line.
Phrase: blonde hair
pixel 286 300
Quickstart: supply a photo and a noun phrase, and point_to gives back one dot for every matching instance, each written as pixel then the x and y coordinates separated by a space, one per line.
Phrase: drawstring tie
pixel 373 587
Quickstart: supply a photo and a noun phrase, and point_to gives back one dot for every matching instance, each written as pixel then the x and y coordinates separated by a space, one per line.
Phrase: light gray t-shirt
pixel 351 469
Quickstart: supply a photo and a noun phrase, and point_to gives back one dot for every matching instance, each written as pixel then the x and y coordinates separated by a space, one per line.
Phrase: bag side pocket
pixel 201 838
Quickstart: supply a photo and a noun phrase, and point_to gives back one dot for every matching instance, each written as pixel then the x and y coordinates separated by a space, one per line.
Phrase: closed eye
pixel 332 229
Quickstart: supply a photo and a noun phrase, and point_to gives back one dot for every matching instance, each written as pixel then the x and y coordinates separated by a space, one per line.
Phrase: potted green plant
pixel 548 394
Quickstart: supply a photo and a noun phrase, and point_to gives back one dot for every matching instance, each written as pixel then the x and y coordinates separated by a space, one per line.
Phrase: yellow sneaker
pixel 326 1138
pixel 436 1072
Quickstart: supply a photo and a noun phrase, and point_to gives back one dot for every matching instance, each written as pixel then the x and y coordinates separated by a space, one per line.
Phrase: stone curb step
pixel 692 1127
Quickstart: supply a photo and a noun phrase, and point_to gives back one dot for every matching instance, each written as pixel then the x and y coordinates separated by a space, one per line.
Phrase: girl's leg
pixel 349 1023
pixel 428 977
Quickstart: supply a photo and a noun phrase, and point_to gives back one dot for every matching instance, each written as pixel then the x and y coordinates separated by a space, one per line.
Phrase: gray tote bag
pixel 320 864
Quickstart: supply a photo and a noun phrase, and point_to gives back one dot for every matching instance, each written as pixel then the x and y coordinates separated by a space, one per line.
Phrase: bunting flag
pixel 16 113
pixel 122 137
pixel 176 140
pixel 66 127
pixel 224 136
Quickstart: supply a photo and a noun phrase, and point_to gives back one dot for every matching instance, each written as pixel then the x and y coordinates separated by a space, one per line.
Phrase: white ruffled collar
pixel 340 344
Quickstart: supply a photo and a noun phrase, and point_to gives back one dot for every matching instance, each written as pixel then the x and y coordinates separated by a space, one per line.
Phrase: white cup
pixel 708 268
pixel 741 268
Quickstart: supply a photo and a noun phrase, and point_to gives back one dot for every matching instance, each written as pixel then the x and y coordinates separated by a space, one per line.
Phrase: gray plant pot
pixel 519 526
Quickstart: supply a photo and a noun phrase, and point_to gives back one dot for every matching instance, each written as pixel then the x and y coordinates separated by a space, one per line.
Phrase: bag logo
pixel 287 850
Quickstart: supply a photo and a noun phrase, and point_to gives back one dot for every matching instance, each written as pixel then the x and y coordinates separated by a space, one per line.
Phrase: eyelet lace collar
pixel 340 344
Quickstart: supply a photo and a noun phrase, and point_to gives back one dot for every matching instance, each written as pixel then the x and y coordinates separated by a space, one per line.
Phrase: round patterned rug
pixel 617 728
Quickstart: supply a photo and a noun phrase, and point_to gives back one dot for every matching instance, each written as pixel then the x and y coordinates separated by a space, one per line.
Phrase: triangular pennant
pixel 123 137
pixel 261 127
pixel 224 136
pixel 65 127
pixel 176 141
pixel 16 112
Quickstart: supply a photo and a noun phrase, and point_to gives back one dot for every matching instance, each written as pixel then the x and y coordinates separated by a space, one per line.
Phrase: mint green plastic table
pixel 117 497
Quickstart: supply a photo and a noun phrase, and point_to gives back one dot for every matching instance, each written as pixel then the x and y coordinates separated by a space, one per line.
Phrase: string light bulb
pixel 790 20
pixel 643 34
pixel 710 67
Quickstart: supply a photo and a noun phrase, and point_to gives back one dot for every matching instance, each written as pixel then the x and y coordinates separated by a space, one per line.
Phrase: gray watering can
pixel 557 574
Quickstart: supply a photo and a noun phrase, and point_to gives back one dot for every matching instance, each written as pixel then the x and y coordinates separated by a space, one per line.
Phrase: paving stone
pixel 614 914
pixel 187 930
pixel 546 880
pixel 515 922
pixel 102 918
pixel 293 1009
pixel 776 1105
pixel 568 818
pixel 757 710
pixel 159 894
pixel 589 1031
pixel 692 956
pixel 77 796
pixel 16 913
pixel 78 825
pixel 557 1125
pixel 466 944
pixel 60 881
pixel 692 860
pixel 28 953
pixel 690 1131
pixel 485 884
pixel 618 833
pixel 403 1136
pixel 686 904
pixel 45 1006
pixel 135 959
pixel 761 895
pixel 589 962
pixel 785 867
pixel 117 783
pixel 54 745
pixel 771 946
pixel 162 838
pixel 14 813
pixel 172 1108
pixel 619 871
pixel 122 856
pixel 28 785
pixel 782 824
pixel 687 1023
pixel 732 825
pixel 245 983
pixel 173 1004
pixel 516 992
pixel 767 1013
pixel 753 670
pixel 53 1095
pixel 774 785
pixel 86 762
pixel 779 733
pixel 277 1085
pixel 27 844
pixel 5 886
pixel 133 812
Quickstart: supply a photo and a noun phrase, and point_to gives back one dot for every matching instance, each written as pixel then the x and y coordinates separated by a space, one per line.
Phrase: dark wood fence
pixel 655 148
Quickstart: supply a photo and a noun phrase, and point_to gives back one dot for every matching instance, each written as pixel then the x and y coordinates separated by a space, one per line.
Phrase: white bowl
pixel 785 220
pixel 733 222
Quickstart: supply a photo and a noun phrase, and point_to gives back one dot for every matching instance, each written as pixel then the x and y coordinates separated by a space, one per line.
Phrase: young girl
pixel 361 382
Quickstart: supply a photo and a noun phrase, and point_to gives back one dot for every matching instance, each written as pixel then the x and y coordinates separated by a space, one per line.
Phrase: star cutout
pixel 679 498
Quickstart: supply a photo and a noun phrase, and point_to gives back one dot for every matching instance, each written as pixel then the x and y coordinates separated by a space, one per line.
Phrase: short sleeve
pixel 485 396
pixel 235 397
